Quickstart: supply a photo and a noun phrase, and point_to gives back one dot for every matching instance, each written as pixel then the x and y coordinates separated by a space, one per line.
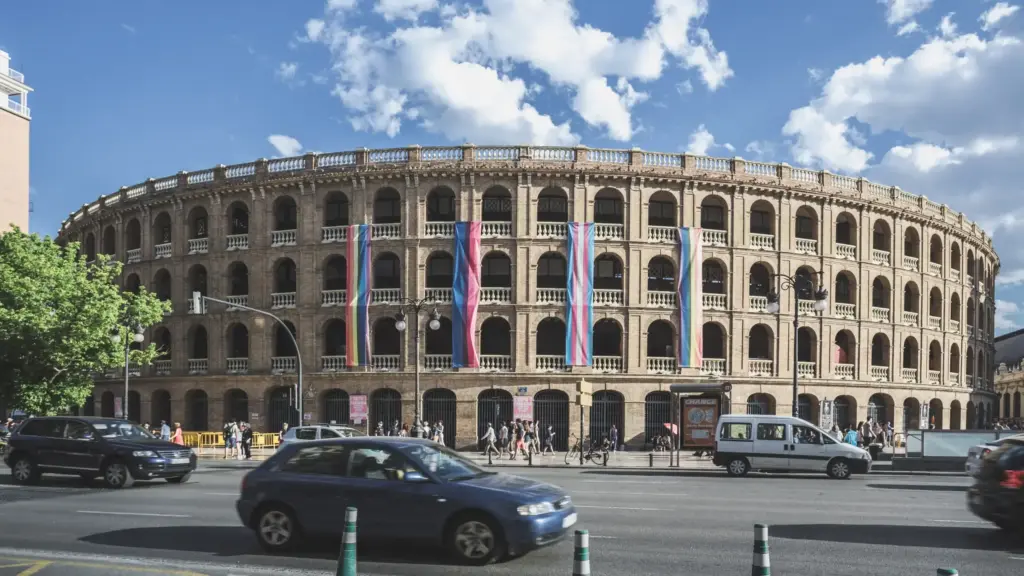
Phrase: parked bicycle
pixel 592 452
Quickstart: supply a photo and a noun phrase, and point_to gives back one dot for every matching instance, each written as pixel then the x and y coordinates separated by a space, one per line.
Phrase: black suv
pixel 116 450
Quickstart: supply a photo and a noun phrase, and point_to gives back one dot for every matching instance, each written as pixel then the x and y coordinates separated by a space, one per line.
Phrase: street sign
pixel 357 408
pixel 521 391
pixel 584 387
pixel 585 400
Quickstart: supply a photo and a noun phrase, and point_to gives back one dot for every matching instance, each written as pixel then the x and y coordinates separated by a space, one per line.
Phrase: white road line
pixel 220 494
pixel 625 508
pixel 659 494
pixel 108 513
pixel 596 537
pixel 960 522
pixel 1016 558
pixel 628 482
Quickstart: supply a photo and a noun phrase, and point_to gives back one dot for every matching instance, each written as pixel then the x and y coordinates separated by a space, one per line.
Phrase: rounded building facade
pixel 908 322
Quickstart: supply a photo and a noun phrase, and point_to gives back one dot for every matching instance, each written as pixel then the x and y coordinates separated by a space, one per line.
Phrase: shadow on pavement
pixel 927 487
pixel 240 541
pixel 954 537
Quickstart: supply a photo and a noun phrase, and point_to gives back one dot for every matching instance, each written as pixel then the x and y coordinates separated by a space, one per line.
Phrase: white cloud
pixel 701 141
pixel 899 11
pixel 285 145
pixel 403 9
pixel 287 70
pixel 997 12
pixel 1006 315
pixel 128 28
pixel 908 28
pixel 947 27
pixel 461 73
pixel 684 87
pixel 815 74
pixel 340 5
pixel 314 29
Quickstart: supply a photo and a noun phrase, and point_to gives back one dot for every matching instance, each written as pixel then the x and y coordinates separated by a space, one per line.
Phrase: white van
pixel 745 442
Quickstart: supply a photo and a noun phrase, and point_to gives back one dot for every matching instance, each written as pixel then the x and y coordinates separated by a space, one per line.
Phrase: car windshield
pixel 446 464
pixel 120 430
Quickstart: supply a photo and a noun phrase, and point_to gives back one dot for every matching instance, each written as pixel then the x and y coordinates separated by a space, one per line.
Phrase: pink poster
pixel 522 408
pixel 357 409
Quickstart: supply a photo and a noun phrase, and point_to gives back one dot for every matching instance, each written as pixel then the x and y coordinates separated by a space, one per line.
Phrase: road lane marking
pixel 625 508
pixel 108 513
pixel 232 494
pixel 960 522
pixel 595 536
pixel 35 568
pixel 159 566
pixel 628 482
pixel 660 494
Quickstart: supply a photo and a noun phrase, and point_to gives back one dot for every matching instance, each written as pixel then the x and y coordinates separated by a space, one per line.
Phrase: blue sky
pixel 924 94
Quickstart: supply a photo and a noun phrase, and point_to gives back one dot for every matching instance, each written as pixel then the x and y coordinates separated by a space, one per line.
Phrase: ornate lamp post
pixel 799 283
pixel 137 338
pixel 414 307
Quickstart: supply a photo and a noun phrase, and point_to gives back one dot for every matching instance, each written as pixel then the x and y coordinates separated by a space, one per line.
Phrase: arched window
pixel 238 221
pixel 607 272
pixel 552 205
pixel 387 207
pixel 496 337
pixel 661 210
pixel 496 270
pixel 608 207
pixel 440 270
pixel 661 275
pixel 551 337
pixel 387 273
pixel 441 205
pixel 238 279
pixel 551 271
pixel 336 209
pixel 286 214
pixel 608 338
pixel 496 205
pixel 713 213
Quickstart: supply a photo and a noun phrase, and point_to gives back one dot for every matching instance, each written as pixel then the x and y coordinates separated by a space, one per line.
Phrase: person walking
pixel 440 432
pixel 613 437
pixel 502 439
pixel 165 431
pixel 549 441
pixel 488 439
pixel 179 435
pixel 247 440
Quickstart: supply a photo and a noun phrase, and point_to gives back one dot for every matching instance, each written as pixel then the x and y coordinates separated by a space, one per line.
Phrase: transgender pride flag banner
pixel 357 293
pixel 466 295
pixel 579 330
pixel 691 318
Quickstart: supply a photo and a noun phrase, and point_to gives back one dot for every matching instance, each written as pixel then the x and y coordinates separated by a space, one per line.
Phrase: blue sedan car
pixel 405 489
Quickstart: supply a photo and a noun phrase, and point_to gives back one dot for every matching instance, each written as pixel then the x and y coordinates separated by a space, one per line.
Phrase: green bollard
pixel 581 554
pixel 347 561
pixel 946 572
pixel 761 566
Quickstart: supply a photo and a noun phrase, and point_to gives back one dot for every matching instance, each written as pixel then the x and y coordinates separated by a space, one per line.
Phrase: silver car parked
pixel 319 432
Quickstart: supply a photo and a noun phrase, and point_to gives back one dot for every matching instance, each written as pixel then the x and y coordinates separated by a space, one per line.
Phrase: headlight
pixel 144 454
pixel 536 509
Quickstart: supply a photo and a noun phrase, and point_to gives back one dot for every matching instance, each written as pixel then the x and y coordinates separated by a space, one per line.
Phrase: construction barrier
pixel 215 440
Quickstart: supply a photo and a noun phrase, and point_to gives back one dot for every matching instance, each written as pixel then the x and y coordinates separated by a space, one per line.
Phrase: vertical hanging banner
pixel 689 293
pixel 466 295
pixel 579 295
pixel 357 294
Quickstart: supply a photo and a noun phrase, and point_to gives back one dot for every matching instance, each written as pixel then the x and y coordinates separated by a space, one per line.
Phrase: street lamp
pixel 434 323
pixel 799 283
pixel 136 338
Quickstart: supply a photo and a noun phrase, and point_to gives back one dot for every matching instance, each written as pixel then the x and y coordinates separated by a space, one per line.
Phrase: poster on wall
pixel 700 416
pixel 825 417
pixel 522 408
pixel 358 411
pixel 923 424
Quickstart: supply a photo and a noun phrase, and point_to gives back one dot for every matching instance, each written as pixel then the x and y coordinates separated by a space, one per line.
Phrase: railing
pixel 662 365
pixel 496 362
pixel 495 295
pixel 712 366
pixel 440 295
pixel 664 234
pixel 238 242
pixel 714 301
pixel 844 310
pixel 283 237
pixel 198 366
pixel 18 107
pixel 807 245
pixel 333 297
pixel 552 229
pixel 496 229
pixel 235 301
pixel 954 326
pixel 880 373
pixel 386 295
pixel 238 365
pixel 386 231
pixel 608 364
pixel 954 275
pixel 910 317
pixel 935 322
pixel 550 295
pixel 934 376
pixel 162 367
pixel 807 369
pixel 282 300
pixel 910 263
pixel 661 299
pixel 908 374
pixel 162 250
pixel 759 303
pixel 954 378
pixel 762 241
pixel 385 362
pixel 935 268
pixel 970 331
pixel 550 363
pixel 843 371
pixel 198 245
pixel 879 314
pixel 880 257
pixel 806 307
pixel 15 75
pixel 134 255
pixel 710 237
pixel 846 251
pixel 281 364
pixel 439 229
pixel 609 231
pixel 609 297
pixel 192 306
pixel 330 234
pixel 758 367
pixel 437 361
pixel 333 363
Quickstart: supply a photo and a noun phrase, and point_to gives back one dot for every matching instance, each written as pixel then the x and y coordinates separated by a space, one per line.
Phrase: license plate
pixel 569 520
pixel 179 461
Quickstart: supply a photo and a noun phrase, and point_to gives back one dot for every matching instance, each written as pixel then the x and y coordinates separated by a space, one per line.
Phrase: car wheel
pixel 476 540
pixel 738 467
pixel 839 468
pixel 276 529
pixel 116 475
pixel 24 471
pixel 180 479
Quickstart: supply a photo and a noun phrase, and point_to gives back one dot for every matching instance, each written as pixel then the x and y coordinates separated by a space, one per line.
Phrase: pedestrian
pixel 851 437
pixel 228 439
pixel 405 430
pixel 236 433
pixel 549 441
pixel 247 440
pixel 440 432
pixel 380 429
pixel 613 437
pixel 488 439
pixel 165 431
pixel 395 429
pixel 179 435
pixel 502 439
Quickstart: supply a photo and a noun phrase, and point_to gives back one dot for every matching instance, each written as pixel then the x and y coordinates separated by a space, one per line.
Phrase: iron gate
pixel 494 406
pixel 608 409
pixel 336 407
pixel 841 413
pixel 161 407
pixel 107 404
pixel 385 407
pixel 439 405
pixel 805 408
pixel 198 418
pixel 279 408
pixel 237 406
pixel 134 407
pixel 551 408
pixel 657 413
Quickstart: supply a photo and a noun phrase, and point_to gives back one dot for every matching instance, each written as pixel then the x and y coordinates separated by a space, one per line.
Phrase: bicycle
pixel 592 454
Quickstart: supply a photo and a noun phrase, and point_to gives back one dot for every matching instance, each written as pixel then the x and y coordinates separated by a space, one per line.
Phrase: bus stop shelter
pixel 696 407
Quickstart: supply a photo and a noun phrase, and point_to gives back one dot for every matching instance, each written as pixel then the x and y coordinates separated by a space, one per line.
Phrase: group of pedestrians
pixel 865 434
pixel 1008 424
pixel 238 440
pixel 420 429
pixel 164 432
pixel 518 437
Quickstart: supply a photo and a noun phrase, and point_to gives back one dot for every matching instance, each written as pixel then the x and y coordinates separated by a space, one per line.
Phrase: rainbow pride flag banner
pixel 579 295
pixel 689 293
pixel 358 294
pixel 466 295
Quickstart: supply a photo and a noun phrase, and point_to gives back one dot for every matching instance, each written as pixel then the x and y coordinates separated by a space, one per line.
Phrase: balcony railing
pixel 162 367
pixel 192 306
pixel 162 250
pixel 282 300
pixel 806 307
pixel 661 299
pixel 284 237
pixel 439 229
pixel 238 242
pixel 198 245
pixel 843 371
pixel 198 365
pixel 934 376
pixel 550 295
pixel 711 237
pixel 954 326
pixel 908 374
pixel 663 234
pixel 954 378
pixel 495 295
pixel 439 295
pixel 935 268
pixel 806 245
pixel 807 369
pixel 954 275
pixel 762 241
pixel 437 361
pixel 496 229
pixel 712 366
pixel 935 322
pixel 714 301
pixel 758 303
pixel 910 318
pixel 550 363
pixel 880 373
pixel 134 255
pixel 386 295
pixel 880 257
pixel 333 297
pixel 386 231
pixel 758 367
pixel 844 310
pixel 496 362
pixel 879 314
pixel 284 364
pixel 551 229
pixel 238 365
pixel 235 301
pixel 329 234
pixel 332 363
pixel 609 297
pixel 846 251
pixel 608 364
pixel 385 362
pixel 910 263
pixel 609 231
pixel 970 331
pixel 662 365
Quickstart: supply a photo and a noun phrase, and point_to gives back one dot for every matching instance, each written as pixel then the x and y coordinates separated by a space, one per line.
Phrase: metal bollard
pixel 529 456
pixel 761 566
pixel 581 554
pixel 489 461
pixel 650 460
pixel 347 561
pixel 946 572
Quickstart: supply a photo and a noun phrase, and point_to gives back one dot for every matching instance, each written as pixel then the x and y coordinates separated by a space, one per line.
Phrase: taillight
pixel 985 452
pixel 1013 479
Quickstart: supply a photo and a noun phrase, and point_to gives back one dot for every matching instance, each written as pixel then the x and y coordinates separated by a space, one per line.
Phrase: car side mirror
pixel 416 477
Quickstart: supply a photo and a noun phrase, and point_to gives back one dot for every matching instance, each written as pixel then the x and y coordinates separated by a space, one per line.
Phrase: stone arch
pixel 662 209
pixel 440 205
pixel 286 213
pixel 387 206
pixel 881 293
pixel 762 218
pixel 661 274
pixel 935 302
pixel 881 235
pixel 238 219
pixel 609 207
pixel 238 279
pixel 608 338
pixel 496 205
pixel 387 271
pixel 551 270
pixel 715 276
pixel 496 270
pixel 846 230
pixel 337 209
pixel 806 223
pixel 198 223
pixel 911 297
pixel 286 277
pixel 440 269
pixel 608 272
pixel 760 283
pixel 133 234
pixel 551 337
pixel 552 205
pixel 935 250
pixel 495 337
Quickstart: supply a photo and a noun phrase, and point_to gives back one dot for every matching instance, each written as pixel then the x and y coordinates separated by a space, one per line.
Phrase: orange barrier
pixel 215 440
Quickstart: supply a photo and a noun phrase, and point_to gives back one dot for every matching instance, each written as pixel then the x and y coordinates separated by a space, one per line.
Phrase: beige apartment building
pixel 15 117
pixel 906 336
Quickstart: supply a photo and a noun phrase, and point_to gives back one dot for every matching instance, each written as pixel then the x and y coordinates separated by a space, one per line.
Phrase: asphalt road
pixel 641 522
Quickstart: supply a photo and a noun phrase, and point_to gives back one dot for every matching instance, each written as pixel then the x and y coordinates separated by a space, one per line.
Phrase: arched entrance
pixel 911 414
pixel 236 406
pixel 935 414
pixel 279 408
pixel 551 408
pixel 336 409
pixel 196 411
pixel 160 407
pixel 385 408
pixel 657 413
pixel 607 410
pixel 439 405
pixel 493 406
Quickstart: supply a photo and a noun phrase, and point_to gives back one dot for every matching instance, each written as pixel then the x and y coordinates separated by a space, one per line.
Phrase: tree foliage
pixel 57 316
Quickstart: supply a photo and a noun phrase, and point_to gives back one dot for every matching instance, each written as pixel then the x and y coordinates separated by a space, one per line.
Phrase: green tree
pixel 57 316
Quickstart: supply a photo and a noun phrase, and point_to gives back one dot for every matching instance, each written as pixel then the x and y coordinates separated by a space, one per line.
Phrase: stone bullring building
pixel 907 332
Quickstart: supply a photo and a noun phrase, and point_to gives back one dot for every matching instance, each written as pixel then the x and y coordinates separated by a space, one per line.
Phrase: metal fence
pixel 385 407
pixel 494 406
pixel 657 413
pixel 336 407
pixel 551 408
pixel 607 410
pixel 279 408
pixel 439 405
pixel 197 411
